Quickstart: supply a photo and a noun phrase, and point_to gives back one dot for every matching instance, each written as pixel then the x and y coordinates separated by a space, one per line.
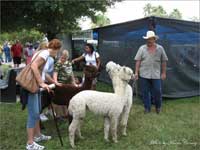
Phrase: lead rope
pixel 135 88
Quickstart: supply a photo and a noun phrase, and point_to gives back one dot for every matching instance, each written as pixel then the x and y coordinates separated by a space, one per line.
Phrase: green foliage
pixel 147 9
pixel 194 18
pixel 159 11
pixel 175 14
pixel 23 36
pixel 5 69
pixel 100 20
pixel 49 16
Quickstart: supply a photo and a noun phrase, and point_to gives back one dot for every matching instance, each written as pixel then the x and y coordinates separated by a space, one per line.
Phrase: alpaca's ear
pixel 124 69
pixel 118 65
pixel 107 69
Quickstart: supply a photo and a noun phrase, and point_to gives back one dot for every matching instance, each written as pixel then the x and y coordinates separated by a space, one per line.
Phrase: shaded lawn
pixel 176 128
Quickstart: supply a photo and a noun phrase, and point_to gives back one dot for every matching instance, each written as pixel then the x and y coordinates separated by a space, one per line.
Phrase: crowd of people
pixel 17 52
pixel 54 70
pixel 150 69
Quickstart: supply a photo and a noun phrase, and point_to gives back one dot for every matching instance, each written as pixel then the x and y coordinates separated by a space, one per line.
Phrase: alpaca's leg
pixel 124 119
pixel 72 129
pixel 106 128
pixel 78 131
pixel 70 118
pixel 114 122
pixel 64 111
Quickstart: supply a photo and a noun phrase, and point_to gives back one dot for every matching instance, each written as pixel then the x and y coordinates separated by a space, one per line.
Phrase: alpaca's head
pixel 90 71
pixel 126 73
pixel 112 68
pixel 117 72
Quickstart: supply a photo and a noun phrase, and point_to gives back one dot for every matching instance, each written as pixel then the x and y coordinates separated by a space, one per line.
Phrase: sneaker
pixel 34 146
pixel 43 117
pixel 42 137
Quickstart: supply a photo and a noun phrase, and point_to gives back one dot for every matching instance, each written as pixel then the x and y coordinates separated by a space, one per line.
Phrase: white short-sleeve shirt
pixel 91 58
pixel 49 66
pixel 150 66
pixel 44 54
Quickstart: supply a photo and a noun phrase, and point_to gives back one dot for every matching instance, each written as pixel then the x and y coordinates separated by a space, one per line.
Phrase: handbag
pixel 26 78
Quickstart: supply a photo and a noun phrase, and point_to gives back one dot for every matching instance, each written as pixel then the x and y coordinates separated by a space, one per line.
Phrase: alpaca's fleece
pixel 126 110
pixel 101 103
pixel 112 68
pixel 113 71
pixel 109 105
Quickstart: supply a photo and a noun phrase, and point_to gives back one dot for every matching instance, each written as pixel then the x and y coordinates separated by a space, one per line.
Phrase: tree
pixel 194 18
pixel 175 14
pixel 147 9
pixel 159 11
pixel 150 10
pixel 49 16
pixel 23 36
pixel 100 20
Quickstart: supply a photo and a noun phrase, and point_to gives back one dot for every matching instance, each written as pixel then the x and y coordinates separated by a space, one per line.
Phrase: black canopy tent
pixel 180 39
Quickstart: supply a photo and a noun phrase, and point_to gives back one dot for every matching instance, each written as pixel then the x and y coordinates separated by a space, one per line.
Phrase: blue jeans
pixel 34 107
pixel 148 87
pixel 7 58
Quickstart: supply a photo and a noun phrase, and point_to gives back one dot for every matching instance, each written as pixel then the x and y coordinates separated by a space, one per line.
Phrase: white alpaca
pixel 112 69
pixel 110 105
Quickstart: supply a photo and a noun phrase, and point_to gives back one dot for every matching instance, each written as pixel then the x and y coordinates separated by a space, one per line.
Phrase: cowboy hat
pixel 150 34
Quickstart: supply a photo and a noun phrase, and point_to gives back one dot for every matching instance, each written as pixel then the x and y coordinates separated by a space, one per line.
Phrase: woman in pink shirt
pixel 29 53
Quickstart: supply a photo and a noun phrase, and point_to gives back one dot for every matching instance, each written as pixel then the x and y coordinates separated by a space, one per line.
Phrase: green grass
pixel 176 128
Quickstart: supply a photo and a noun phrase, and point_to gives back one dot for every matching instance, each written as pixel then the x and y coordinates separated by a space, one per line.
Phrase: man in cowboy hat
pixel 151 68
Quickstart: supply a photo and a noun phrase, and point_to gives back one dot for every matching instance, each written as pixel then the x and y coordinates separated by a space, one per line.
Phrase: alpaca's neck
pixel 87 84
pixel 119 86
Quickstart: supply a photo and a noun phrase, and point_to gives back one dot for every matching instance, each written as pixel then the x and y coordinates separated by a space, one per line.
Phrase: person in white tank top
pixel 91 57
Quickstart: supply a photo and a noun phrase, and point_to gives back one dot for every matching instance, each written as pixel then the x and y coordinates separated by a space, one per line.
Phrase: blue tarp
pixel 180 40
